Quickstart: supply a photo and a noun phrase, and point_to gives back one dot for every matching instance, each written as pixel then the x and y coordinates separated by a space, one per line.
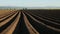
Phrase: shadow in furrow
pixel 7 24
pixel 41 28
pixel 21 27
pixel 7 17
pixel 46 22
pixel 51 19
pixel 47 18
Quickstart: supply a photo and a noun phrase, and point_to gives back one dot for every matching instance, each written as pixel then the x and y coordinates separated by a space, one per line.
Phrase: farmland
pixel 33 21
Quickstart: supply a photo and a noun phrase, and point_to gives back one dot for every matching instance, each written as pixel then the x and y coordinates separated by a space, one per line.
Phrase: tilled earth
pixel 30 22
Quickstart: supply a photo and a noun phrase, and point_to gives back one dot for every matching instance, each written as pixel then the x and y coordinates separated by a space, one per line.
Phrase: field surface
pixel 36 21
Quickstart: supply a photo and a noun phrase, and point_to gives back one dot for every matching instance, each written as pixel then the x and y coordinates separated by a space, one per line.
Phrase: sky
pixel 30 3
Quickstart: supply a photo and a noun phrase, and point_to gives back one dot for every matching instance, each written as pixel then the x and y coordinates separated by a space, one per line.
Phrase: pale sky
pixel 30 3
